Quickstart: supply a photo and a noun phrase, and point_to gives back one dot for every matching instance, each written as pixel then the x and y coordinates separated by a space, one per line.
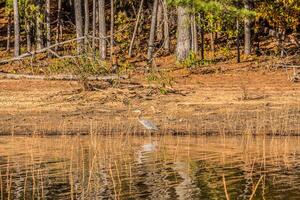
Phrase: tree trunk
pixel 152 31
pixel 212 44
pixel 238 41
pixel 97 17
pixel 183 34
pixel 9 31
pixel 159 24
pixel 28 38
pixel 78 19
pixel 86 22
pixel 94 29
pixel 247 30
pixel 166 27
pixel 257 45
pixel 39 23
pixel 16 29
pixel 202 43
pixel 112 22
pixel 58 25
pixel 48 25
pixel 136 27
pixel 281 39
pixel 102 30
pixel 202 36
pixel 39 44
pixel 194 33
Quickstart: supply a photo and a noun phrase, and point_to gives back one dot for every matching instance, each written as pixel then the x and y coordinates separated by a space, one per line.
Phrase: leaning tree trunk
pixel 247 30
pixel 48 25
pixel 9 31
pixel 16 29
pixel 166 27
pixel 135 28
pixel 152 31
pixel 102 30
pixel 183 33
pixel 78 19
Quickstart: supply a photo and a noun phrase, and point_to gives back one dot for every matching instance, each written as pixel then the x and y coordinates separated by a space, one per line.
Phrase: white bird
pixel 149 125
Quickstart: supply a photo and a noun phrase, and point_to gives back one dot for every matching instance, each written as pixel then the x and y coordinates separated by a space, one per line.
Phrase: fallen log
pixel 64 77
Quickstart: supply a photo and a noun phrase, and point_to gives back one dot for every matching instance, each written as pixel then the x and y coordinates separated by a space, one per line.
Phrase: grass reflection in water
pixel 160 167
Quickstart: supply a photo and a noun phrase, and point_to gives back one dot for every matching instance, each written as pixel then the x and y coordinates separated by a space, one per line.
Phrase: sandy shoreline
pixel 247 102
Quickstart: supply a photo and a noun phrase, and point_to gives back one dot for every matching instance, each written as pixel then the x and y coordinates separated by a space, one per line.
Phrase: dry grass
pixel 247 103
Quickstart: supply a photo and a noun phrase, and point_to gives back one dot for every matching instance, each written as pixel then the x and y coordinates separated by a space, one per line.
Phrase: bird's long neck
pixel 140 116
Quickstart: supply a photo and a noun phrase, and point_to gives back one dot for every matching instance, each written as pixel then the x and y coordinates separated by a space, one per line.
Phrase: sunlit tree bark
pixel 16 28
pixel 183 33
pixel 159 23
pixel 247 29
pixel 166 26
pixel 102 30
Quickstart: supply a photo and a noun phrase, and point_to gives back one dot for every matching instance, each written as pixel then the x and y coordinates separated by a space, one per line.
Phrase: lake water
pixel 156 167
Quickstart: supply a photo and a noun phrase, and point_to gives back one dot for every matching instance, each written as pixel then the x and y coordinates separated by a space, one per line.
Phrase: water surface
pixel 157 167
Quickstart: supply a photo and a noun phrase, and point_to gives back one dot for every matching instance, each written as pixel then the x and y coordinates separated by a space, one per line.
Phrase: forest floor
pixel 246 98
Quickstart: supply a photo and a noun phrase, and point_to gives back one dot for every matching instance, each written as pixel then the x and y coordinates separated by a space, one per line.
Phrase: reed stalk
pixel 256 186
pixel 225 188
pixel 1 185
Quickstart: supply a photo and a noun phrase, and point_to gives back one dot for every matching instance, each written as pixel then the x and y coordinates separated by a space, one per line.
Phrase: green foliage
pixel 193 61
pixel 82 66
pixel 217 15
pixel 123 32
pixel 87 66
pixel 215 8
pixel 60 66
pixel 8 7
pixel 125 67
pixel 9 4
pixel 225 51
pixel 161 80
pixel 280 13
